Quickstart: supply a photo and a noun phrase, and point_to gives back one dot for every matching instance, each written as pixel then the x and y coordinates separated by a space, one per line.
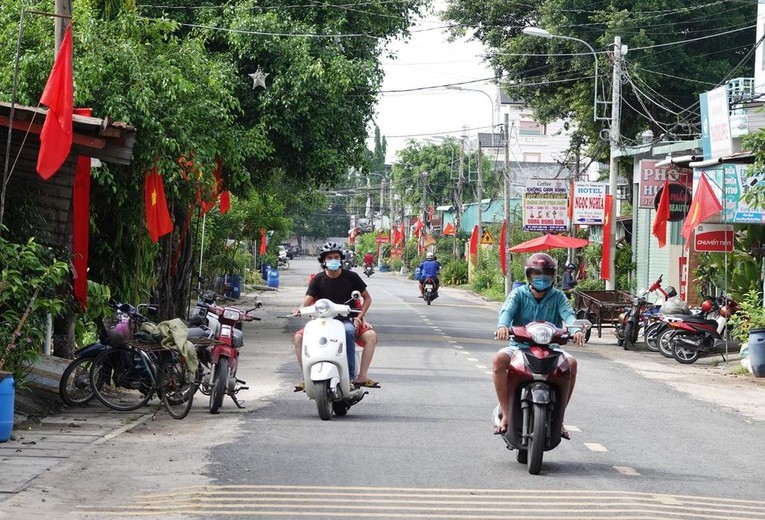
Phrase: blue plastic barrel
pixel 417 274
pixel 236 286
pixel 273 278
pixel 757 351
pixel 518 284
pixel 7 396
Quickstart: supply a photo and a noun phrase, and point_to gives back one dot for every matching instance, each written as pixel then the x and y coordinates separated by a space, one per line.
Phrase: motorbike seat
pixel 696 319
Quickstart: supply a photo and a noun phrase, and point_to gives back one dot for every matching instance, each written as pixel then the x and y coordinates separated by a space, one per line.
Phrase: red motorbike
pixel 539 380
pixel 218 362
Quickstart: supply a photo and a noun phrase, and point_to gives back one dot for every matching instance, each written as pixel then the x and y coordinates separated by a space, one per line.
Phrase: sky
pixel 427 59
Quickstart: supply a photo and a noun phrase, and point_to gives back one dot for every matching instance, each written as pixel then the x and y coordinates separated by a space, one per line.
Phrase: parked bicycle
pixel 126 376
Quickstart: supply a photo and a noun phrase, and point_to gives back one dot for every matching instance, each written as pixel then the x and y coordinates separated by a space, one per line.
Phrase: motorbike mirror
pixel 582 324
pixel 355 295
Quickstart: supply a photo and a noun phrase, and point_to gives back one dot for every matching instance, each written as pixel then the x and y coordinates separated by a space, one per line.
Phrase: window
pixel 531 128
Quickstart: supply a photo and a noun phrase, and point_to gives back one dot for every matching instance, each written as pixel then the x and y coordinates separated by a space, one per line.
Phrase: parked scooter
pixel 630 321
pixel 693 338
pixel 538 391
pixel 216 376
pixel 325 358
pixel 429 290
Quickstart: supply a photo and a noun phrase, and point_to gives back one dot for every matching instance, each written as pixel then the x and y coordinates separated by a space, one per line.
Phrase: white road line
pixel 626 470
pixel 594 446
pixel 457 346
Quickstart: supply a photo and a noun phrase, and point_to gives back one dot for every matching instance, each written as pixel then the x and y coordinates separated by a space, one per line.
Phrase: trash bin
pixel 517 284
pixel 273 278
pixel 757 351
pixel 7 397
pixel 417 274
pixel 236 286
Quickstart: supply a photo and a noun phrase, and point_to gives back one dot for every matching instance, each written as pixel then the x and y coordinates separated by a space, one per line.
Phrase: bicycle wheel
pixel 177 388
pixel 120 379
pixel 74 386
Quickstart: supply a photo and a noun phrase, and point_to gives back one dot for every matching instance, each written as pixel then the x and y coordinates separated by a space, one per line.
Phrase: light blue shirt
pixel 521 307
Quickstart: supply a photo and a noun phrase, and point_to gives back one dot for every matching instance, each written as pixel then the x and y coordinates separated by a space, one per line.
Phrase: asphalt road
pixel 421 446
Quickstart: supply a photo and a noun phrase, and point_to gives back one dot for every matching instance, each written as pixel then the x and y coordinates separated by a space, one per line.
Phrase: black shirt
pixel 336 289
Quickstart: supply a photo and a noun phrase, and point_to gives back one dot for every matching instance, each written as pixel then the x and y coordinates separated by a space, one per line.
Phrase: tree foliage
pixel 677 49
pixel 182 78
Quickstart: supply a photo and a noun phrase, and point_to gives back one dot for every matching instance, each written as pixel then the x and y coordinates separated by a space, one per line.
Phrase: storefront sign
pixel 715 238
pixel 589 202
pixel 545 205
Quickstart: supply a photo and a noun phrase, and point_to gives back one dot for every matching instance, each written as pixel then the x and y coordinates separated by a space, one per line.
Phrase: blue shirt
pixel 429 269
pixel 521 307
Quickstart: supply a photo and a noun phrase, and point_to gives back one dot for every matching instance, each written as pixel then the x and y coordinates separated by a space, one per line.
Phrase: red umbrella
pixel 546 242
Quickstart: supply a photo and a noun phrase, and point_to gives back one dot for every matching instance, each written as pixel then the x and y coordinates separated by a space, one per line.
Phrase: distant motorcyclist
pixel 369 259
pixel 429 268
pixel 568 282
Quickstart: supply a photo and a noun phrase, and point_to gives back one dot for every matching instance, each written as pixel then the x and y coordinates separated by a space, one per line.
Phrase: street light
pixel 542 33
pixel 454 87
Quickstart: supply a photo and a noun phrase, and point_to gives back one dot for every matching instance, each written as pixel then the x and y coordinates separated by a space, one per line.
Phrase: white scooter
pixel 325 361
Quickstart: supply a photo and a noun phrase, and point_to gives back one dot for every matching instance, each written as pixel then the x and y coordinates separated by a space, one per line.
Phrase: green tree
pixel 675 53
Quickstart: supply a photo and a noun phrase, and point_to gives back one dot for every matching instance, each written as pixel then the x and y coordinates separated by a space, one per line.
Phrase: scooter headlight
pixel 323 308
pixel 541 333
pixel 230 314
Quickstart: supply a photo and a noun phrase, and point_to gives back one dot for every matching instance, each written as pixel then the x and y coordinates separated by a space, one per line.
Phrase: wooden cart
pixel 602 308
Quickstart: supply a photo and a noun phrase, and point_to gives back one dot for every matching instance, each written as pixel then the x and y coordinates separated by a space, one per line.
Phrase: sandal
pixel 299 388
pixel 369 383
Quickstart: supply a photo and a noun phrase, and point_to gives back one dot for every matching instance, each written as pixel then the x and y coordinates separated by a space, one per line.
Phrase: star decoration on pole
pixel 258 78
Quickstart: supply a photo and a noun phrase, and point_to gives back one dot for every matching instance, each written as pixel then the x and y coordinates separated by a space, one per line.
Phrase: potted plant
pixel 748 326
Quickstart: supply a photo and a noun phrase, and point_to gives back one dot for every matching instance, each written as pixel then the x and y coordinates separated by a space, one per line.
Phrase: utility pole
pixel 508 273
pixel 458 197
pixel 423 211
pixel 480 188
pixel 63 10
pixel 614 137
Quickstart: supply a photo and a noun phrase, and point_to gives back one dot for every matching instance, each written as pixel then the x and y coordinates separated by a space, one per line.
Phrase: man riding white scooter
pixel 337 285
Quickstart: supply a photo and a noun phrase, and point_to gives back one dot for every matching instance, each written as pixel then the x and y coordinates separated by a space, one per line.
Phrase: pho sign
pixel 715 238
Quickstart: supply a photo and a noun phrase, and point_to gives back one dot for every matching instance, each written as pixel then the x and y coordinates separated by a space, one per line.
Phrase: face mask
pixel 333 265
pixel 541 282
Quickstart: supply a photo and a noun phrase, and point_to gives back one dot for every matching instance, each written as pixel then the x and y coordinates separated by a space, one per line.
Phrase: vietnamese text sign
pixel 652 179
pixel 737 180
pixel 713 238
pixel 589 202
pixel 545 205
pixel 715 123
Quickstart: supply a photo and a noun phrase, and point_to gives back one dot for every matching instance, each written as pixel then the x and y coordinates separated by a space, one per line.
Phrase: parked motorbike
pixel 369 270
pixel 539 378
pixel 325 359
pixel 429 290
pixel 283 264
pixel 693 338
pixel 201 317
pixel 218 363
pixel 629 322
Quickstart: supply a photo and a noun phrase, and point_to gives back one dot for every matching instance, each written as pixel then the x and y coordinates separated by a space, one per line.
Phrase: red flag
pixel 225 202
pixel 157 216
pixel 474 245
pixel 56 134
pixel 80 229
pixel 396 236
pixel 662 216
pixel 703 205
pixel 449 230
pixel 81 223
pixel 605 259
pixel 418 227
pixel 503 249
pixel 263 242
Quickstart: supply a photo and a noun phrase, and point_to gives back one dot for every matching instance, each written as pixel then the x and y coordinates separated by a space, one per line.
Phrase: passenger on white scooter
pixel 538 300
pixel 337 285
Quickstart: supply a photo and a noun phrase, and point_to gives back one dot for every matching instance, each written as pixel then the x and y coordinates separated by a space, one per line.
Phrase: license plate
pixel 429 287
